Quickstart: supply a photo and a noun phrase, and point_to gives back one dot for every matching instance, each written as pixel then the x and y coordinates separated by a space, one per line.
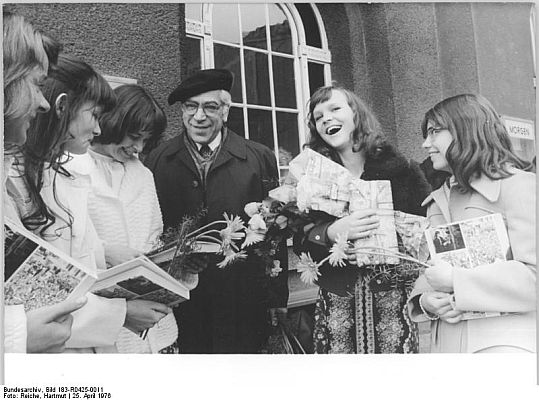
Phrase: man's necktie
pixel 205 151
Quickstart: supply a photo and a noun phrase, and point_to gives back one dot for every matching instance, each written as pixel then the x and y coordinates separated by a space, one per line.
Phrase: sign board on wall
pixel 519 128
pixel 115 81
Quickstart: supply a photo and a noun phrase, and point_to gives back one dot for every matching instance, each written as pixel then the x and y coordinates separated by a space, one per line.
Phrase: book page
pixel 36 274
pixel 470 243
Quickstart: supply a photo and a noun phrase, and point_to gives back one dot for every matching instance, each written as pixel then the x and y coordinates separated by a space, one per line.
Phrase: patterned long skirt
pixel 373 320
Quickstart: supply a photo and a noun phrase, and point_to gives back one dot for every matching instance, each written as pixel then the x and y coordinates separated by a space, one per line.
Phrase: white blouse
pixel 124 209
pixel 123 204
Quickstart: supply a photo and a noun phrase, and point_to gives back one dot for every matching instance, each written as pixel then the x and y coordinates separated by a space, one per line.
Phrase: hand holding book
pixel 144 314
pixel 440 276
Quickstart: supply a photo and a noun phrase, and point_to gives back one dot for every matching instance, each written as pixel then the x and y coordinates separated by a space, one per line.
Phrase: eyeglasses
pixel 432 131
pixel 191 108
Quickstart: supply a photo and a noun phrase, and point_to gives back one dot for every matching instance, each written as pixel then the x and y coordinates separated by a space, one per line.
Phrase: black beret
pixel 202 81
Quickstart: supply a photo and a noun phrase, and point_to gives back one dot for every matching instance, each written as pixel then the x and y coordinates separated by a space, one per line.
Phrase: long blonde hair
pixel 24 50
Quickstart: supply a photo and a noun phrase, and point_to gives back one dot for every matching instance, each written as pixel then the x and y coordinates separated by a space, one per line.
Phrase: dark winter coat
pixel 228 309
pixel 409 188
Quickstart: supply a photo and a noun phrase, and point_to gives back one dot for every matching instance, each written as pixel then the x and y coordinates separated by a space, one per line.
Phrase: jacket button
pixel 195 184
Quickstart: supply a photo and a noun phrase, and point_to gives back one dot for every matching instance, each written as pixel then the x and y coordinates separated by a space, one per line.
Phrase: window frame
pixel 302 55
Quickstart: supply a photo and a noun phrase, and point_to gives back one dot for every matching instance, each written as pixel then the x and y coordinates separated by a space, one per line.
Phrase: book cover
pixel 140 279
pixel 36 274
pixel 470 243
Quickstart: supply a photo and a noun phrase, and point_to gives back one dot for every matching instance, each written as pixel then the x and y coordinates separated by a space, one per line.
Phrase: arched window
pixel 279 56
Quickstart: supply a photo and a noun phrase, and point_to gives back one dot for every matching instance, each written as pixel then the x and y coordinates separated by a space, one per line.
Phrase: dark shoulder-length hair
pixel 481 144
pixel 367 134
pixel 136 112
pixel 49 132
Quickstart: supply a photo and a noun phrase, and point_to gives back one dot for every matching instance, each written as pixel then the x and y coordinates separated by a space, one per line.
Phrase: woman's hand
pixel 440 276
pixel 143 314
pixel 48 328
pixel 357 225
pixel 436 303
pixel 117 254
pixel 452 316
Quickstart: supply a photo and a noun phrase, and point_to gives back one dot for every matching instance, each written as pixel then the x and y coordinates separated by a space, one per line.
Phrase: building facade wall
pixel 401 58
pixel 405 57
pixel 138 41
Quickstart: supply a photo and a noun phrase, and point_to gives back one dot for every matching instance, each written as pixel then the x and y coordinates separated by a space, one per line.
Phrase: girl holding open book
pixel 355 313
pixel 54 164
pixel 465 136
pixel 123 203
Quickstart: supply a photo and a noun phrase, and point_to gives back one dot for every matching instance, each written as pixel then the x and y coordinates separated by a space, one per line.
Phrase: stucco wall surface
pixel 139 41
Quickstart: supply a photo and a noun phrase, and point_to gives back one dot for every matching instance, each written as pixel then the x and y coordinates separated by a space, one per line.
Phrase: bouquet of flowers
pixel 220 237
pixel 271 223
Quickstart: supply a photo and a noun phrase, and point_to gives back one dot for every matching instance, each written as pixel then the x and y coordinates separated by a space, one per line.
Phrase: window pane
pixel 287 134
pixel 316 76
pixel 284 82
pixel 225 21
pixel 229 58
pixel 257 78
pixel 312 33
pixel 193 11
pixel 192 55
pixel 253 25
pixel 260 127
pixel 281 38
pixel 235 120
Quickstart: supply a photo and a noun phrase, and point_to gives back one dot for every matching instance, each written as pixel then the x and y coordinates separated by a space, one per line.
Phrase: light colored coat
pixel 503 286
pixel 123 203
pixel 14 316
pixel 98 323
pixel 124 209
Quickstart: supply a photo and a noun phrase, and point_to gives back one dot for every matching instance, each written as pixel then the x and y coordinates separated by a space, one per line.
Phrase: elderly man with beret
pixel 209 166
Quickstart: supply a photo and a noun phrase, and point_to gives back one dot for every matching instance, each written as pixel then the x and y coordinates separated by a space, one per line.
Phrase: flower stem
pixel 383 252
pixel 209 238
pixel 319 263
pixel 206 227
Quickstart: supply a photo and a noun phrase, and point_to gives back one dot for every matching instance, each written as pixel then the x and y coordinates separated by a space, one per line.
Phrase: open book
pixel 470 243
pixel 140 279
pixel 36 274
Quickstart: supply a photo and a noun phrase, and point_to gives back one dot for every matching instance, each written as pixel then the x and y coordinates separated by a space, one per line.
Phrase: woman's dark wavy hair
pixel 136 112
pixel 481 143
pixel 367 134
pixel 48 133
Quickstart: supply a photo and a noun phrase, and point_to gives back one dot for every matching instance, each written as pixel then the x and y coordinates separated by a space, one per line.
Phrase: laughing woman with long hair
pixel 355 314
pixel 465 136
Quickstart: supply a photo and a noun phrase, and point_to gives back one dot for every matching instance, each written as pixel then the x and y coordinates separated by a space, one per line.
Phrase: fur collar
pixel 388 164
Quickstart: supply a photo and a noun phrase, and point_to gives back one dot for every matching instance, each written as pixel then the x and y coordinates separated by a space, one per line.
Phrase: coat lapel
pixel 439 198
pixel 232 147
pixel 180 152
